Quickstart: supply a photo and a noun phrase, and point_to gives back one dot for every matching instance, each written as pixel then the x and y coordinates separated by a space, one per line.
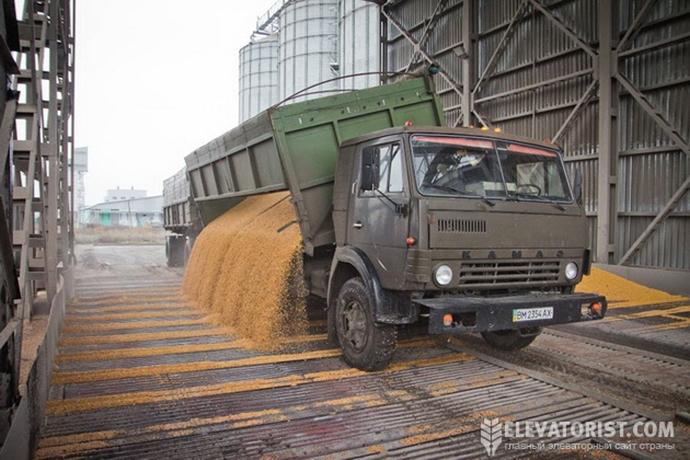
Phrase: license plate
pixel 532 314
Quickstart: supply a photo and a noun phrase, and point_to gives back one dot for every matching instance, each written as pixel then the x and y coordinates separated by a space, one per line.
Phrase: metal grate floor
pixel 140 374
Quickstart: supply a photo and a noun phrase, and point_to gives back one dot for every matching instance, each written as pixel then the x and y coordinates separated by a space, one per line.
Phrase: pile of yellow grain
pixel 621 292
pixel 246 270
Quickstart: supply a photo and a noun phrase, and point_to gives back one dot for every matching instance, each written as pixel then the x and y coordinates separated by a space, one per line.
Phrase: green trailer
pixel 403 219
pixel 294 147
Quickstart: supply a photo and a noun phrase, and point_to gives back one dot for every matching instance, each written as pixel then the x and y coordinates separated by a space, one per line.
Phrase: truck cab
pixel 476 230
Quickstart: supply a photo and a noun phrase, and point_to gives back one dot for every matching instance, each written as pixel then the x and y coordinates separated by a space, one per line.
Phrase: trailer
pixel 404 220
pixel 180 218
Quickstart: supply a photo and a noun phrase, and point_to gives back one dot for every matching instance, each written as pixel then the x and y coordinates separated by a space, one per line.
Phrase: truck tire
pixel 366 345
pixel 510 340
pixel 187 250
pixel 174 250
pixel 168 251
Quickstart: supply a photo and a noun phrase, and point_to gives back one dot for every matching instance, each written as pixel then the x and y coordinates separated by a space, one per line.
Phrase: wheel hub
pixel 354 323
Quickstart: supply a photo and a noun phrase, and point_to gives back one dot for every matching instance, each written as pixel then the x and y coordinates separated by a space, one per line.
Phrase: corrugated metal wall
pixel 538 78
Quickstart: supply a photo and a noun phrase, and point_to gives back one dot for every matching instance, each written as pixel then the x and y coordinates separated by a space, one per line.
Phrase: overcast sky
pixel 154 80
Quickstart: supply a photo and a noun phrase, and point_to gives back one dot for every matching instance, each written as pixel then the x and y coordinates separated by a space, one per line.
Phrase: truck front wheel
pixel 511 340
pixel 366 345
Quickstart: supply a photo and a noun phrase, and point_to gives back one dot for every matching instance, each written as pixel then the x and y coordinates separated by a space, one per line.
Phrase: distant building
pixel 120 194
pixel 134 212
pixel 81 167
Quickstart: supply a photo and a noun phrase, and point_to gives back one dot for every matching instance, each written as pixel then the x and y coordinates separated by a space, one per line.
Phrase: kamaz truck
pixel 403 219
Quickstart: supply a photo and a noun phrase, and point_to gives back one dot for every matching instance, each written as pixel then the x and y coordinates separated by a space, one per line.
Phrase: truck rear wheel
pixel 511 340
pixel 366 345
pixel 187 250
pixel 174 250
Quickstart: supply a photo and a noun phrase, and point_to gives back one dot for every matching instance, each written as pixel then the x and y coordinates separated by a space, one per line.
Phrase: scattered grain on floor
pixel 621 292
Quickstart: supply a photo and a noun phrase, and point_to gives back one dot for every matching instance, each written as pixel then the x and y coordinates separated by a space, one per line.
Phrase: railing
pixel 265 24
pixel 28 418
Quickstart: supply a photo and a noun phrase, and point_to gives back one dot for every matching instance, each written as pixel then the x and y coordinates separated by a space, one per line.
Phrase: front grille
pixel 461 226
pixel 509 272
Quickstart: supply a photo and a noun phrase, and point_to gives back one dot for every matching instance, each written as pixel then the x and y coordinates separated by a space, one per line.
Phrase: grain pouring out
pixel 246 271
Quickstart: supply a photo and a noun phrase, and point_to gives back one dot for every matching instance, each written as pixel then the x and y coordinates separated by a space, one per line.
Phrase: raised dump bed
pixel 294 147
pixel 177 213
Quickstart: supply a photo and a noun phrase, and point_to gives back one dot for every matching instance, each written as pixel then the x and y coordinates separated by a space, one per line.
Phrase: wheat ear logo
pixel 492 435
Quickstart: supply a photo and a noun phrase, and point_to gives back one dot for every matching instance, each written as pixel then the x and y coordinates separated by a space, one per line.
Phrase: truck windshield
pixel 456 166
pixel 475 167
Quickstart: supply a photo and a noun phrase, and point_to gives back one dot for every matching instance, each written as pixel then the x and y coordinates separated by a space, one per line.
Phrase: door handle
pixel 357 225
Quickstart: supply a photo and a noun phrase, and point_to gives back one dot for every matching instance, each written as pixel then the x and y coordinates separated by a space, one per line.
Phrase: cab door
pixel 379 208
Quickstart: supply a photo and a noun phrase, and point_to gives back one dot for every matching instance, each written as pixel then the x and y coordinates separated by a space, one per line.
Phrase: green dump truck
pixel 403 219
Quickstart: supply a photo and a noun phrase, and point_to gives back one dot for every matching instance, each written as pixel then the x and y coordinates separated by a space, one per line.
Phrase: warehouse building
pixel 133 212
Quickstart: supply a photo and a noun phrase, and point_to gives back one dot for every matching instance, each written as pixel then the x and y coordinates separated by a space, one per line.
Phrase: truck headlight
pixel 571 271
pixel 443 275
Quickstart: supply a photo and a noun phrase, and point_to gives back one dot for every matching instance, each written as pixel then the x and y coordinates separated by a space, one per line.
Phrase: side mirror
pixel 577 186
pixel 370 169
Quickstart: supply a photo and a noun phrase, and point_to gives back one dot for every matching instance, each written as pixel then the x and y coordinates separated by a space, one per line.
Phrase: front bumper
pixel 480 314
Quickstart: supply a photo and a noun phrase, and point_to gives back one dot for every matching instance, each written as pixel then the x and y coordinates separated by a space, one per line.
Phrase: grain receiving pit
pixel 246 271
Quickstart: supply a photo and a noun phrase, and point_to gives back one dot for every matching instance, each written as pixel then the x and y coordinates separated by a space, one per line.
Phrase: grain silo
pixel 359 43
pixel 258 76
pixel 308 47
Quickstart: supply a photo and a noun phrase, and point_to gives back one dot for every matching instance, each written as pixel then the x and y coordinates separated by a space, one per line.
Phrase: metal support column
pixel 383 45
pixel 72 202
pixel 53 174
pixel 607 66
pixel 469 62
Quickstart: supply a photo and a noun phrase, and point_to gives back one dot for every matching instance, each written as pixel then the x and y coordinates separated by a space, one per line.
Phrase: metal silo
pixel 308 47
pixel 258 76
pixel 359 43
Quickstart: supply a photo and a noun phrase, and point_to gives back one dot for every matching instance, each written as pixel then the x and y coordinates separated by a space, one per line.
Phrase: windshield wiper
pixel 539 198
pixel 486 200
pixel 447 188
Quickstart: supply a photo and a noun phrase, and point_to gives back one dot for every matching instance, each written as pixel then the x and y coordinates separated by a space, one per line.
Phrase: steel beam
pixel 586 96
pixel 52 198
pixel 534 86
pixel 608 151
pixel 32 59
pixel 634 28
pixel 468 63
pixel 655 45
pixel 425 33
pixel 383 46
pixel 678 140
pixel 500 47
pixel 660 217
pixel 654 113
pixel 565 29
pixel 454 84
pixel 72 201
